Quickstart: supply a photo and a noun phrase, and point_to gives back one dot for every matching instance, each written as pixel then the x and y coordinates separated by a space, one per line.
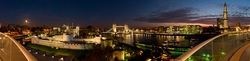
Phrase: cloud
pixel 243 8
pixel 236 13
pixel 183 15
pixel 125 20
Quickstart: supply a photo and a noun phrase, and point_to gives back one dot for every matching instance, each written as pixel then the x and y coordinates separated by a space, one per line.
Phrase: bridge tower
pixel 237 26
pixel 126 27
pixel 114 27
pixel 77 30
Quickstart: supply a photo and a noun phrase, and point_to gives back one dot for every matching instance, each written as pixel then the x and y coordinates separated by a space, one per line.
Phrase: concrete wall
pixel 58 44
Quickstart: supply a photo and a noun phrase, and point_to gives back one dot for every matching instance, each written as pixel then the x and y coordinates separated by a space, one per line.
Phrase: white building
pixel 66 37
pixel 67 29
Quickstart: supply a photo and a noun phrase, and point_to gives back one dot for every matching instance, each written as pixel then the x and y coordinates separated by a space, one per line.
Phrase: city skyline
pixel 146 13
pixel 124 30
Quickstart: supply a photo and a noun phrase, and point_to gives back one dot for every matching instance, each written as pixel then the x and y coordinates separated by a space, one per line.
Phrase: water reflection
pixel 178 41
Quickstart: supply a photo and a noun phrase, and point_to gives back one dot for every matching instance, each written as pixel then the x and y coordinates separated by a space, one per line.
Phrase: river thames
pixel 160 40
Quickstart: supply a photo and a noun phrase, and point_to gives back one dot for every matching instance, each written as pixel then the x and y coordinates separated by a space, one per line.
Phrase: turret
pixel 114 27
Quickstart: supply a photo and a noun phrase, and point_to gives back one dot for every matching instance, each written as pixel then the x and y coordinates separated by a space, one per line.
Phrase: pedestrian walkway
pixel 44 56
pixel 243 54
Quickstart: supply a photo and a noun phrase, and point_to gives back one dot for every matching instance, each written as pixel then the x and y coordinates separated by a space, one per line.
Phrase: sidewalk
pixel 241 54
pixel 43 56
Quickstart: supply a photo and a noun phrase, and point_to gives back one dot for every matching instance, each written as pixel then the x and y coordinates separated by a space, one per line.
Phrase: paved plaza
pixel 43 56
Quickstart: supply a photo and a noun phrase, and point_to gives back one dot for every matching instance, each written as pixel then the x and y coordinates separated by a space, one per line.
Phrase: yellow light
pixel 26 21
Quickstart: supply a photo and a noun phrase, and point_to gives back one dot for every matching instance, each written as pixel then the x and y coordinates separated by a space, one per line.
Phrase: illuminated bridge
pixel 11 50
pixel 231 46
pixel 114 29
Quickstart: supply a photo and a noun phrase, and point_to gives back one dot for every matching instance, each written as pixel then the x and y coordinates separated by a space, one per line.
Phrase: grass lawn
pixel 63 52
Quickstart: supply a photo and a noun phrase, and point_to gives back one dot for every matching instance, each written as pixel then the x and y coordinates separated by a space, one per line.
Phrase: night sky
pixel 136 13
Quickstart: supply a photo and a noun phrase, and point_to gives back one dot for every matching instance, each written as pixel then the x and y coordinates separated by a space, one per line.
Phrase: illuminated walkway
pixel 242 54
pixel 231 46
pixel 11 50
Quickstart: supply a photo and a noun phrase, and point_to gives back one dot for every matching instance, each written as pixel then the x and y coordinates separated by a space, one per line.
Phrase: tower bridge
pixel 114 29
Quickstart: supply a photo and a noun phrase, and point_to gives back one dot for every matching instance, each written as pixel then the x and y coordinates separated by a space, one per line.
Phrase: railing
pixel 11 50
pixel 214 49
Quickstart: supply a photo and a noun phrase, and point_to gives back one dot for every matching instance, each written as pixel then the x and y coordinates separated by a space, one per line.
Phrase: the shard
pixel 223 23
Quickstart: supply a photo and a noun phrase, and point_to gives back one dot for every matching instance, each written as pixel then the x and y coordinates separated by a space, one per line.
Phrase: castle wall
pixel 58 44
pixel 96 40
pixel 65 37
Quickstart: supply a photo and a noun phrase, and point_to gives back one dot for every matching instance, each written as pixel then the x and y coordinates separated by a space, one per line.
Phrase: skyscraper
pixel 225 11
pixel 223 23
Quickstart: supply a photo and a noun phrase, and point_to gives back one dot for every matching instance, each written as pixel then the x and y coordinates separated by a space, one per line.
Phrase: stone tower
pixel 114 27
pixel 126 27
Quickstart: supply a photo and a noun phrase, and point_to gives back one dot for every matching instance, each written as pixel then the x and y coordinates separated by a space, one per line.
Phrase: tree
pixel 33 29
pixel 90 27
pixel 99 53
